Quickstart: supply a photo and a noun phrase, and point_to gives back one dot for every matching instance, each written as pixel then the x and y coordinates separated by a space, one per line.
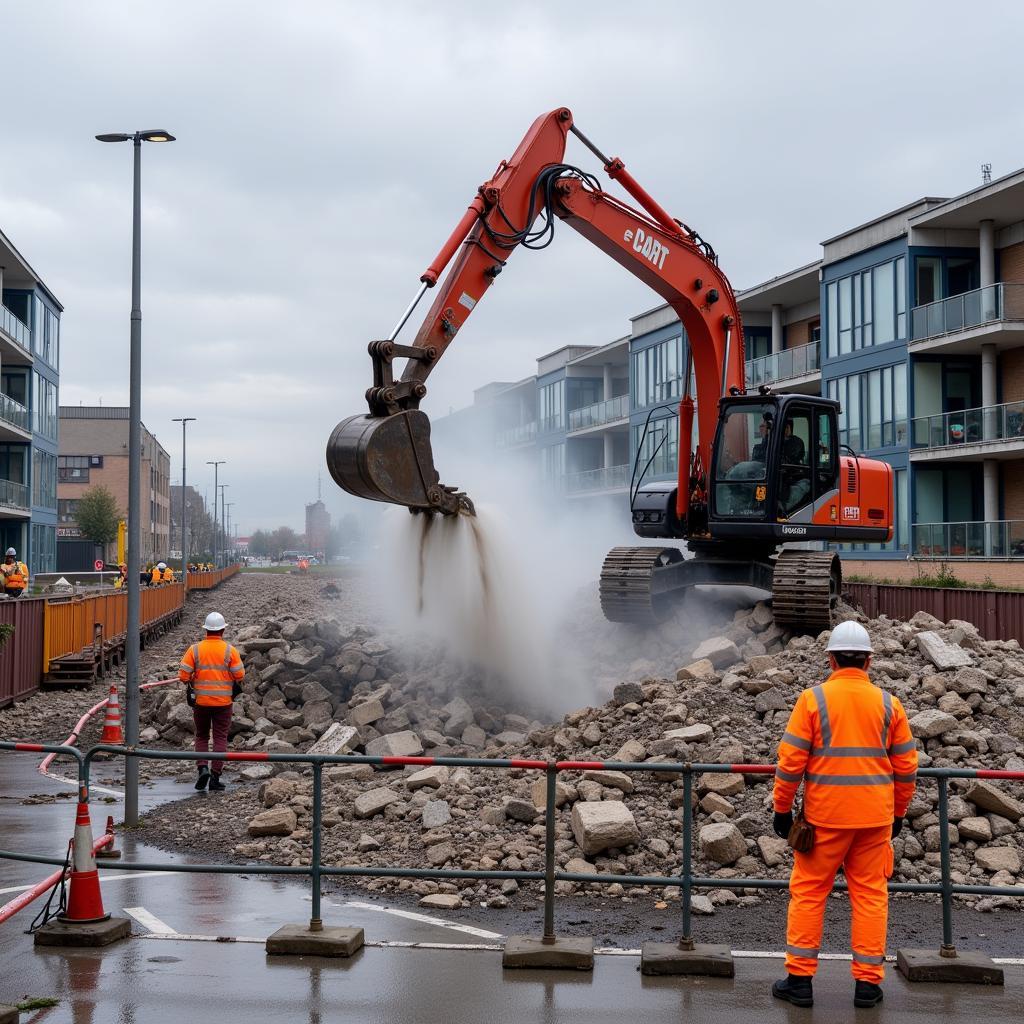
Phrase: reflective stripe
pixel 212 666
pixel 887 702
pixel 826 725
pixel 864 958
pixel 851 780
pixel 184 667
pixel 811 954
pixel 787 776
pixel 796 741
pixel 903 748
pixel 906 778
pixel 849 752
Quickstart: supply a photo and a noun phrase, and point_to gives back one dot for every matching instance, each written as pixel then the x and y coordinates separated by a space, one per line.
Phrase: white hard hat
pixel 11 551
pixel 161 565
pixel 850 636
pixel 214 622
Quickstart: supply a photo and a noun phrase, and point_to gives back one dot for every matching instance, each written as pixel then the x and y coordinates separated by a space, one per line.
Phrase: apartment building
pixel 914 321
pixel 94 450
pixel 29 379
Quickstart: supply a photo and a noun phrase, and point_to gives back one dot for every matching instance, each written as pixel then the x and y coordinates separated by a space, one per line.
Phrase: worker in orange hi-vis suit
pixel 849 743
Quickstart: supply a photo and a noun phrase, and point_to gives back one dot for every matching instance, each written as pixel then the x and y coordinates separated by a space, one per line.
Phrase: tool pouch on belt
pixel 801 835
pixel 190 695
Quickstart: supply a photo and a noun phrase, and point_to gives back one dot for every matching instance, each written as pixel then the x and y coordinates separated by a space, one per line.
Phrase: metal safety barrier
pixel 685 880
pixel 209 580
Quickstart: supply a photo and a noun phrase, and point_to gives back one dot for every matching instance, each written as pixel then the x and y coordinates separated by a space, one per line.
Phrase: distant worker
pixel 15 574
pixel 213 672
pixel 760 451
pixel 849 743
pixel 122 577
pixel 166 573
pixel 157 575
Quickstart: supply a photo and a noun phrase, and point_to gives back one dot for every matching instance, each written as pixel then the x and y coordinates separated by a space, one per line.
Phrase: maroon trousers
pixel 216 720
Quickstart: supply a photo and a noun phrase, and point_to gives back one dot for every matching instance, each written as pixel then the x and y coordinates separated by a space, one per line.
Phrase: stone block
pixel 539 794
pixel 395 744
pixel 992 799
pixel 944 656
pixel 348 772
pixel 722 783
pixel 719 650
pixel 601 826
pixel 722 842
pixel 298 940
pixel 524 951
pixel 931 722
pixel 699 733
pixel 433 777
pixel 611 779
pixel 366 713
pixel 337 739
pixel 703 669
pixel 977 829
pixel 520 810
pixel 965 968
pixel 441 901
pixel 774 850
pixel 704 959
pixel 366 805
pixel 436 813
pixel 278 821
pixel 58 932
pixel 474 736
pixel 998 858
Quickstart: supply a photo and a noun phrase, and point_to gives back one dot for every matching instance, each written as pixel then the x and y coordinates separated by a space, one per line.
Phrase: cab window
pixel 795 448
pixel 740 471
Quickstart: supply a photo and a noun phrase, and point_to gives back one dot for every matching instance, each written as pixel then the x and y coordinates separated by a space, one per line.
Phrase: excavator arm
pixel 386 455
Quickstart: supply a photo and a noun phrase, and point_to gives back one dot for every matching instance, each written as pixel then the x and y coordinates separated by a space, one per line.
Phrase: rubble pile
pixel 316 684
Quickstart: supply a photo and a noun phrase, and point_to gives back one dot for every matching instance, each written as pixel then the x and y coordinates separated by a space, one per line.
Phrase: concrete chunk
pixel 699 733
pixel 395 744
pixel 338 739
pixel 436 813
pixel 278 821
pixel 433 777
pixel 944 656
pixel 719 650
pixel 998 858
pixel 601 826
pixel 992 799
pixel 722 843
pixel 366 713
pixel 441 901
pixel 611 779
pixel 932 722
pixel 366 805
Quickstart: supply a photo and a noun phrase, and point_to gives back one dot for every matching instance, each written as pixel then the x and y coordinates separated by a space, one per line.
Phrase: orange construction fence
pixel 209 580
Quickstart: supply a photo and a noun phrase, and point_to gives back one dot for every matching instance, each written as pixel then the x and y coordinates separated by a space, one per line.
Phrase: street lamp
pixel 216 466
pixel 184 421
pixel 131 738
pixel 230 543
pixel 222 533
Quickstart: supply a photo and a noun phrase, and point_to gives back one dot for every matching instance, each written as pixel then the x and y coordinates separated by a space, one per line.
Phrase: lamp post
pixel 131 767
pixel 230 542
pixel 222 533
pixel 184 421
pixel 216 466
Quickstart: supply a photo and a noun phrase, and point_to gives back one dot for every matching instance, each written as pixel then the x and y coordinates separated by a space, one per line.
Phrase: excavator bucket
pixel 389 458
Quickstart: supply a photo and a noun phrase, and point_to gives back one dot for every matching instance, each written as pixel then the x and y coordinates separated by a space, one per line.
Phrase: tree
pixel 284 538
pixel 259 544
pixel 97 515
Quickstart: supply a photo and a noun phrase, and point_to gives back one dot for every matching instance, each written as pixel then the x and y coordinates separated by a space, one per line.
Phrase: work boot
pixel 216 786
pixel 204 778
pixel 867 993
pixel 796 989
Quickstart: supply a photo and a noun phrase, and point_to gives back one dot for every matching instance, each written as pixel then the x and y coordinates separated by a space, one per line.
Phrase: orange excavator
pixel 765 469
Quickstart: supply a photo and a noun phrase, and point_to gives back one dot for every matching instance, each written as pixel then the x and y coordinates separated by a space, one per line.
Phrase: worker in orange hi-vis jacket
pixel 850 745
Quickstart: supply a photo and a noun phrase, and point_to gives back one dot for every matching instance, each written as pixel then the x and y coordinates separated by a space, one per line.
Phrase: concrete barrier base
pixel 964 968
pixel 77 933
pixel 668 958
pixel 574 954
pixel 298 940
pixel 9 1014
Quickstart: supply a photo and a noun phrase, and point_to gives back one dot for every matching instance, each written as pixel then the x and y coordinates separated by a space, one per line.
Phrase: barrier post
pixel 687 956
pixel 947 964
pixel 315 939
pixel 549 951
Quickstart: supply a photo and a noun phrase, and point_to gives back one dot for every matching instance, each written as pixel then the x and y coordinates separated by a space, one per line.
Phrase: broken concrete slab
pixel 298 940
pixel 338 739
pixel 942 655
pixel 523 951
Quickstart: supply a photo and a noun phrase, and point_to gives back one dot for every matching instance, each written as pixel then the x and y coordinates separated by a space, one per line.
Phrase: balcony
pixel 1003 539
pixel 14 420
pixel 610 478
pixel 14 496
pixel 515 437
pixel 15 330
pixel 994 431
pixel 802 363
pixel 599 413
pixel 963 321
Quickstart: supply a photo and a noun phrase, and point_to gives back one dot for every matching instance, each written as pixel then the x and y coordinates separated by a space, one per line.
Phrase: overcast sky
pixel 326 149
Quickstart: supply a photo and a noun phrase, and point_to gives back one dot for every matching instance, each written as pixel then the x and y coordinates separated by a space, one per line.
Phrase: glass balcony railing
pixel 784 365
pixel 598 413
pixel 13 412
pixel 971 309
pixel 13 327
pixel 597 479
pixel 1003 539
pixel 969 426
pixel 525 433
pixel 13 495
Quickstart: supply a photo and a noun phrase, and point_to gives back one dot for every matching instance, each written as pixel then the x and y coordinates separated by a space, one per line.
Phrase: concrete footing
pixel 667 958
pixel 76 933
pixel 9 1014
pixel 298 940
pixel 964 968
pixel 524 951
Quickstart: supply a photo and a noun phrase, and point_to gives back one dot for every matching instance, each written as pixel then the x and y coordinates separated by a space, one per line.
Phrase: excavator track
pixel 805 589
pixel 626 588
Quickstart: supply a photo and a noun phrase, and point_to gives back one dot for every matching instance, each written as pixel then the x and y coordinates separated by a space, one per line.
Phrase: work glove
pixel 897 827
pixel 782 823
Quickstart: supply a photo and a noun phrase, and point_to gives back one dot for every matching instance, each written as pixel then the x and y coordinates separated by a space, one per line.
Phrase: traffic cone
pixel 112 721
pixel 85 904
pixel 110 851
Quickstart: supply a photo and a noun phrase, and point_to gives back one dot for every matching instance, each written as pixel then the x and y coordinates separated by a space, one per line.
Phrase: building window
pixel 657 373
pixel 74 469
pixel 552 406
pixel 44 407
pixel 552 462
pixel 12 463
pixel 44 549
pixel 874 407
pixel 659 447
pixel 866 308
pixel 67 509
pixel 44 479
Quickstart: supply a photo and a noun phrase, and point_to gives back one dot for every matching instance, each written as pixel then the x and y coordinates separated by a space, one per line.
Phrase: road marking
pixel 120 876
pixel 148 920
pixel 438 922
pixel 92 788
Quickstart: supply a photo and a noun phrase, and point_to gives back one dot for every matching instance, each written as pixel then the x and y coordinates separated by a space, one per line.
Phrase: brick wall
pixel 1011 375
pixel 1011 262
pixel 799 332
pixel 1002 574
pixel 1013 489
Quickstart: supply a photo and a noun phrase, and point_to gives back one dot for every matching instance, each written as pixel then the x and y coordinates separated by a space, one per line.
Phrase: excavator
pixel 765 470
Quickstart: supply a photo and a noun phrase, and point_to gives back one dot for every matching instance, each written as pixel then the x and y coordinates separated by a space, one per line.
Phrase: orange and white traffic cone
pixel 85 904
pixel 112 720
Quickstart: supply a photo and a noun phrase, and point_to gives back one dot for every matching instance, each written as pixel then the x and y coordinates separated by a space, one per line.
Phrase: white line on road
pixel 92 788
pixel 121 876
pixel 148 920
pixel 438 922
